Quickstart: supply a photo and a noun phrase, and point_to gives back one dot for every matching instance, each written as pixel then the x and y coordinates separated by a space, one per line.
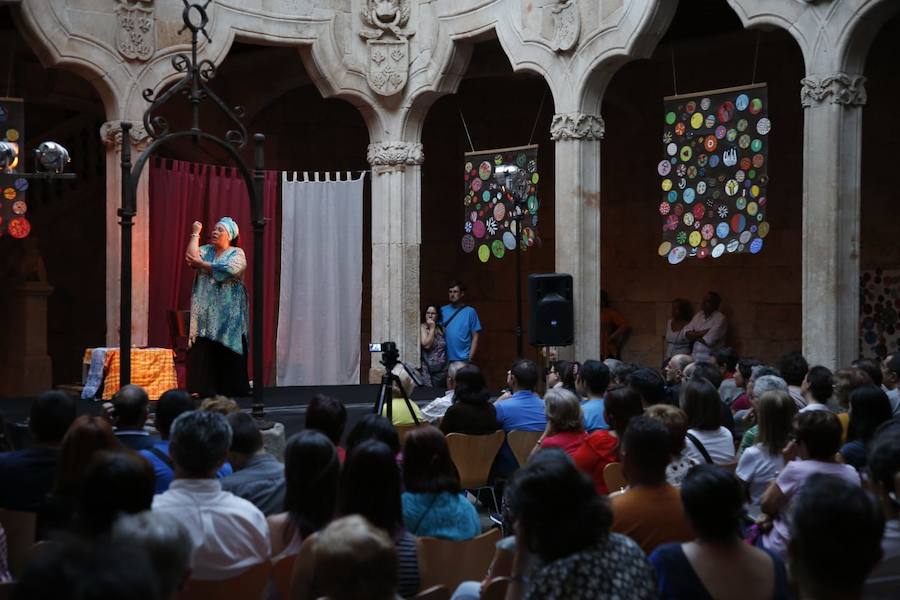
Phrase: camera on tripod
pixel 390 356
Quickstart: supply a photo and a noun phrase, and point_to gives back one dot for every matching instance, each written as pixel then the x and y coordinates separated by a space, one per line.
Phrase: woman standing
pixel 217 359
pixel 434 349
pixel 676 342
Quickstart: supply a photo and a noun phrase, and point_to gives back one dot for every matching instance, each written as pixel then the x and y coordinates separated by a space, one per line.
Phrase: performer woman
pixel 217 359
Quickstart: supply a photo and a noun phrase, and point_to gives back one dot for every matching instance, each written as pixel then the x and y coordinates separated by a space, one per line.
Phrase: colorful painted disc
pixel 718 250
pixel 19 207
pixel 19 227
pixel 722 229
pixel 742 102
pixel 756 245
pixel 664 167
pixel 763 229
pixel 499 212
pixel 485 169
pixel 478 229
pixel 677 254
pixel 664 248
pixel 763 126
pixel 9 193
pixel 670 118
pixel 468 243
pixel 497 248
pixel 509 240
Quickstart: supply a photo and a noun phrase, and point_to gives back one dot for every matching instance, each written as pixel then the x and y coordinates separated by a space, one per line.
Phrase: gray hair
pixel 454 368
pixel 166 542
pixel 768 383
pixel 199 441
pixel 762 370
pixel 563 409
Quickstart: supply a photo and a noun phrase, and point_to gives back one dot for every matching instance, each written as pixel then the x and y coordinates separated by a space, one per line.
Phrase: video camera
pixel 390 356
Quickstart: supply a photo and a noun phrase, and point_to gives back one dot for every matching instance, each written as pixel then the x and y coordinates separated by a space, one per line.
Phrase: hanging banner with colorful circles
pixel 13 205
pixel 879 308
pixel 500 194
pixel 713 173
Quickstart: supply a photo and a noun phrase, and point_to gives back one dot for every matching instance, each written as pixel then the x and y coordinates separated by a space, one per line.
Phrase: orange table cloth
pixel 151 368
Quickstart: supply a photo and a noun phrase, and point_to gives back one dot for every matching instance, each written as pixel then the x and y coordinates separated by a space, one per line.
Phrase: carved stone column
pixel 111 134
pixel 577 138
pixel 831 216
pixel 396 238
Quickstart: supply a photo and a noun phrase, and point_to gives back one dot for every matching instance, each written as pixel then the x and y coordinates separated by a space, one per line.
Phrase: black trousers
pixel 214 369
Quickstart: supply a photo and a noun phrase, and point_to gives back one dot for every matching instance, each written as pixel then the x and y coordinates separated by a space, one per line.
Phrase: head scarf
pixel 230 226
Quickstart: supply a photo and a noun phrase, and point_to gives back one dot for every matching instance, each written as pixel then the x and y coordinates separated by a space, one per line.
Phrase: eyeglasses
pixel 431 313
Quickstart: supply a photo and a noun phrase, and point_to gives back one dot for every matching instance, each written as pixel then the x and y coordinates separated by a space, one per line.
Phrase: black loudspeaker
pixel 552 317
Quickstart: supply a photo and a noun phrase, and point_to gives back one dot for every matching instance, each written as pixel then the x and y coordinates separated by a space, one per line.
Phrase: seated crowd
pixel 726 478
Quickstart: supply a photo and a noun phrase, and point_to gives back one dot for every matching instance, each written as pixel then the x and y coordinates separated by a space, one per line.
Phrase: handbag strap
pixel 453 316
pixel 699 447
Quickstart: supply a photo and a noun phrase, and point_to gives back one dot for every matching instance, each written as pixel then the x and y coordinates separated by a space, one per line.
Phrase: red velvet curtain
pixel 210 193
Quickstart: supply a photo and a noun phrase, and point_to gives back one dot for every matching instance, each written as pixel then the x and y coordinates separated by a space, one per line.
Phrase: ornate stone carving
pixel 111 134
pixel 839 88
pixel 566 25
pixel 136 35
pixel 394 154
pixel 388 56
pixel 577 126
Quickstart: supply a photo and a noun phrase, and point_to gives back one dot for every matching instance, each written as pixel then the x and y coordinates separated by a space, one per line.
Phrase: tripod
pixel 385 397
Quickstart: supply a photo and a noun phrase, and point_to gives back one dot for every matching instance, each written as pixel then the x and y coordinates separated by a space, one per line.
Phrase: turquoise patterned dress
pixel 219 307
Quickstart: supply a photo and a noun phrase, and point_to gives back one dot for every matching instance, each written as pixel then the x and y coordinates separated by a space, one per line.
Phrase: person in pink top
pixel 565 422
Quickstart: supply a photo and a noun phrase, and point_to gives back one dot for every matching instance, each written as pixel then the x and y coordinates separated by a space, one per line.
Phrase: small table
pixel 151 368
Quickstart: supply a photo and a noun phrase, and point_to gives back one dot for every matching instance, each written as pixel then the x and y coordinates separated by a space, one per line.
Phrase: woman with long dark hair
pixel 434 348
pixel 471 411
pixel 869 408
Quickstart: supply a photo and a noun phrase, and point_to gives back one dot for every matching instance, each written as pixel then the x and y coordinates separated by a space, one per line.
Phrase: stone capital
pixel 395 154
pixel 837 88
pixel 576 126
pixel 111 134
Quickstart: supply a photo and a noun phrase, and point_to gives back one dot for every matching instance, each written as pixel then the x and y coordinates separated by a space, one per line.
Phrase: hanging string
pixel 537 117
pixel 466 128
pixel 755 57
pixel 674 78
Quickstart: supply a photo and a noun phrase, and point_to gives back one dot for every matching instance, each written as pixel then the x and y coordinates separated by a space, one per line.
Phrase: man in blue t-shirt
pixel 591 383
pixel 523 411
pixel 461 325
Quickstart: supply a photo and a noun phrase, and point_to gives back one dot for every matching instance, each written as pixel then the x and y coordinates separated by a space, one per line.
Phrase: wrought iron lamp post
pixel 194 86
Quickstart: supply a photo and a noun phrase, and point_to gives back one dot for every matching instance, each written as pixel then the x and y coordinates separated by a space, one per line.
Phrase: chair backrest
pixel 473 456
pixel 613 477
pixel 20 536
pixel 437 592
pixel 522 443
pixel 495 589
pixel 447 563
pixel 249 585
pixel 282 569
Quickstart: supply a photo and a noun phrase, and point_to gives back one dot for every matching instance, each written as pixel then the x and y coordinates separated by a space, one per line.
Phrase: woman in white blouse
pixel 676 342
pixel 707 440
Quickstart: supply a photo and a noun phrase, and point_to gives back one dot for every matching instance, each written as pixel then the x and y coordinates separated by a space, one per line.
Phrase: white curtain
pixel 320 301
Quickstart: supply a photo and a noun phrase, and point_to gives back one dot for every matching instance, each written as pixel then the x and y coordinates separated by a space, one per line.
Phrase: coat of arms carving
pixel 566 25
pixel 386 36
pixel 136 33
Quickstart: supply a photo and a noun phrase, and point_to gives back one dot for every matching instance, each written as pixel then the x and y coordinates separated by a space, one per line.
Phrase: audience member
pixel 471 411
pixel 726 359
pixel 565 422
pixel 433 349
pixel 28 475
pixel 328 415
pixel 592 382
pixel 569 376
pixel 718 563
pixel 818 437
pixel 707 328
pixel 818 385
pixel 560 519
pixel 845 381
pixel 166 543
pixel 79 570
pixel 709 442
pixel 835 538
pixel 869 408
pixel 555 374
pixel 171 404
pixel 674 375
pixel 130 408
pixel 759 385
pixel 619 372
pixel 676 422
pixel 258 476
pixel 352 560
pixel 649 511
pixel 793 368
pixel 602 447
pixel 522 411
pixel 760 464
pixel 370 486
pixel 745 402
pixel 115 483
pixel 890 379
pixel 433 503
pixel 373 427
pixel 649 385
pixel 221 404
pixel 707 371
pixel 741 381
pixel 311 470
pixel 400 408
pixel 229 533
pixel 884 466
pixel 675 340
pixel 436 409
pixel 85 438
pixel 871 368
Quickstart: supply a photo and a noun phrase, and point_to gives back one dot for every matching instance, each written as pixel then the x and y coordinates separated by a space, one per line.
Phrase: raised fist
pixel 196 227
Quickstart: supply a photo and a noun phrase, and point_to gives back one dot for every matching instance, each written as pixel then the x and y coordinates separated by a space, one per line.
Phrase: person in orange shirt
pixel 649 511
pixel 614 329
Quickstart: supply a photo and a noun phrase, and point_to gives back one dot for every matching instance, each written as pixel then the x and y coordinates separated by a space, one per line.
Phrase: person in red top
pixel 565 422
pixel 614 329
pixel 602 446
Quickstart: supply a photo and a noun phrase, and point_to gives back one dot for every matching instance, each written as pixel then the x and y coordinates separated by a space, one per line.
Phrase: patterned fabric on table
pixel 97 359
pixel 151 368
pixel 219 307
pixel 616 568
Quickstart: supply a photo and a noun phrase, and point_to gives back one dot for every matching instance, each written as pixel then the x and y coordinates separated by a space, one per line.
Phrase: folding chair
pixel 473 456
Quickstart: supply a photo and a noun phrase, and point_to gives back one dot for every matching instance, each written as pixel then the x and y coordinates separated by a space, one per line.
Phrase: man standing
pixel 707 329
pixel 461 324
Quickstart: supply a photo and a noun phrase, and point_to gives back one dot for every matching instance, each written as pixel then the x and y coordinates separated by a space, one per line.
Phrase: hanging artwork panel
pixel 13 206
pixel 879 305
pixel 713 173
pixel 500 190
